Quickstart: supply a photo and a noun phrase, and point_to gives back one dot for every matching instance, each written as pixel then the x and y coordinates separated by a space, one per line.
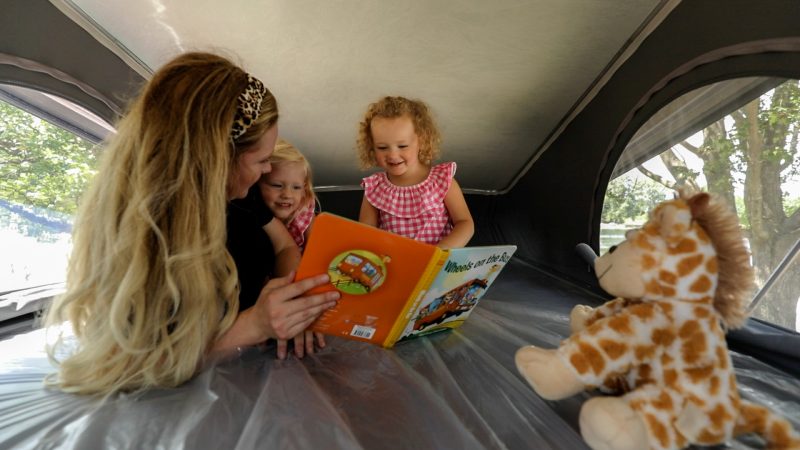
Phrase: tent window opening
pixel 48 155
pixel 739 139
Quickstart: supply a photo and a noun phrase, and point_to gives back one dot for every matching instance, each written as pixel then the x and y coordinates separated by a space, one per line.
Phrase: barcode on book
pixel 362 331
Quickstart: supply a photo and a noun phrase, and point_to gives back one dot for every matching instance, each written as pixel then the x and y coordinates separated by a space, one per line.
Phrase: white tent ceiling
pixel 500 76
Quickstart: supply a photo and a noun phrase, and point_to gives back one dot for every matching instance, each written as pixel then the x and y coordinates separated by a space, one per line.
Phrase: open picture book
pixel 394 288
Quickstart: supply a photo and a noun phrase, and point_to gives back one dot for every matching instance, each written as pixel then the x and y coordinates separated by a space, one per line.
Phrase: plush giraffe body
pixel 664 351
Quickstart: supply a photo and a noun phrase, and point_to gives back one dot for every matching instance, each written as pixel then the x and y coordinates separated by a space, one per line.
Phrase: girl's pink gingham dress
pixel 417 211
pixel 297 227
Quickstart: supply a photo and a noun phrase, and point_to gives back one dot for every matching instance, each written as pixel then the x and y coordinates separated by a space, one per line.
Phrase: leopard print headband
pixel 248 106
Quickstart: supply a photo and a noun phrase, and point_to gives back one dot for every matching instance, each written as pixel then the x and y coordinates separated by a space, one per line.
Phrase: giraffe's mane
pixel 736 275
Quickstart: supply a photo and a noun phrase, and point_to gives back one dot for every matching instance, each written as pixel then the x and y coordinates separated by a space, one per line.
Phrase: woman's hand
pixel 303 344
pixel 282 311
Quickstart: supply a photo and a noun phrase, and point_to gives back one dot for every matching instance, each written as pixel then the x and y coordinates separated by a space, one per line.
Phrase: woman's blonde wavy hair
pixel 390 108
pixel 150 283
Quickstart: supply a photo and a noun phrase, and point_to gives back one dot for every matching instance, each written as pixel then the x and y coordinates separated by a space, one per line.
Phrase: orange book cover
pixel 388 282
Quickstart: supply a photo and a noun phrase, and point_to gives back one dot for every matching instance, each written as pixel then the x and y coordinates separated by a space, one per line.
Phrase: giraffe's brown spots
pixel 667 308
pixel 620 324
pixel 651 229
pixel 713 387
pixel 696 400
pixel 702 284
pixel 641 241
pixel 662 337
pixel 644 352
pixel 637 404
pixel 733 397
pixel 688 264
pixel 648 262
pixel 701 313
pixel 694 342
pixel 666 360
pixel 667 291
pixel 711 265
pixel 652 287
pixel 702 236
pixel 613 349
pixel 645 375
pixel 684 246
pixel 580 363
pixel 657 430
pixel 706 300
pixel 699 374
pixel 719 416
pixel 780 436
pixel 670 378
pixel 616 385
pixel 663 402
pixel 680 441
pixel 595 328
pixel 644 312
pixel 751 418
pixel 667 277
pixel 593 357
pixel 689 329
pixel 678 229
pixel 706 437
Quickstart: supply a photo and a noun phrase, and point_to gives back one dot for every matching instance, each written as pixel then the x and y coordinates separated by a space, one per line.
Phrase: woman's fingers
pixel 282 348
pixel 289 289
pixel 320 339
pixel 299 346
pixel 309 342
pixel 310 306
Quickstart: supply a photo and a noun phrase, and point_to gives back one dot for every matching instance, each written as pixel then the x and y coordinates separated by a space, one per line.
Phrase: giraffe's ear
pixel 674 220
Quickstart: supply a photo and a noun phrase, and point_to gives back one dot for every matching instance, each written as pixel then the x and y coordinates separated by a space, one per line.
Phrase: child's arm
pixel 368 214
pixel 463 226
pixel 287 255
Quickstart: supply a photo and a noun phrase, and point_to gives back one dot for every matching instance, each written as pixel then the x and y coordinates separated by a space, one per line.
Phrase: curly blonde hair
pixel 150 283
pixel 392 107
pixel 285 153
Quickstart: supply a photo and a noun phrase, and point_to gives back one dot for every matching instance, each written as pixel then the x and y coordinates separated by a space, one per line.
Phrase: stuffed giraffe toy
pixel 683 279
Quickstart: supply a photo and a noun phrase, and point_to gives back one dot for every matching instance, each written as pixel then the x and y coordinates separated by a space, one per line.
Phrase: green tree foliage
pixel 41 164
pixel 628 199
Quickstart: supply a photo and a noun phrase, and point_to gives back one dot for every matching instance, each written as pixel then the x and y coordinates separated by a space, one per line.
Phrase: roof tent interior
pixel 544 194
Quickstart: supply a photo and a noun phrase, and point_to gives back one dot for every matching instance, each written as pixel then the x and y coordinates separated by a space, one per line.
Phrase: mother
pixel 151 287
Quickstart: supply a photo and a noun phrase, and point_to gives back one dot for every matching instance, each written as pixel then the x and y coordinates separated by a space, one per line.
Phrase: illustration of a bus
pixel 360 270
pixel 452 303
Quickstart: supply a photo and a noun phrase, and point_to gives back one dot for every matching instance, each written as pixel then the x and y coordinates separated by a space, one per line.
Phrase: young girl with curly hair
pixel 410 196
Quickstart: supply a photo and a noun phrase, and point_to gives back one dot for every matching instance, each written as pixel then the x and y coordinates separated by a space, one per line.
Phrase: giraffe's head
pixel 690 249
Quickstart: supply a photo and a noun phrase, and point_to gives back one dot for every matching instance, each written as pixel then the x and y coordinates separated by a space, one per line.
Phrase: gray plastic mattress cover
pixel 457 389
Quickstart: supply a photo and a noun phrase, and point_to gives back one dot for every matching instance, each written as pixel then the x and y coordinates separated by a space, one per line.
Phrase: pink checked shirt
pixel 297 227
pixel 417 211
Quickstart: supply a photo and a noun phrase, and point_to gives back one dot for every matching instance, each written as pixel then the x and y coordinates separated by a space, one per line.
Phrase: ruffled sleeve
pixel 300 223
pixel 408 201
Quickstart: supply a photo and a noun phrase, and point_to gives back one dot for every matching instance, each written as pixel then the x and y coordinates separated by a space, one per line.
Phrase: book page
pixel 464 278
pixel 375 271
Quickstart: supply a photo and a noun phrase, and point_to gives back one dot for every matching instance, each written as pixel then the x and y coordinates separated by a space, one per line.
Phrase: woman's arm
pixel 463 226
pixel 368 214
pixel 282 311
pixel 287 255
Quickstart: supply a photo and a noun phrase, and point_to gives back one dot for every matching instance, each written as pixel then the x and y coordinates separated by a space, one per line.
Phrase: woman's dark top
pixel 249 245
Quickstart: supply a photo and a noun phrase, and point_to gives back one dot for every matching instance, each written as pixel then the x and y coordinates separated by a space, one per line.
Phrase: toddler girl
pixel 409 197
pixel 288 192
